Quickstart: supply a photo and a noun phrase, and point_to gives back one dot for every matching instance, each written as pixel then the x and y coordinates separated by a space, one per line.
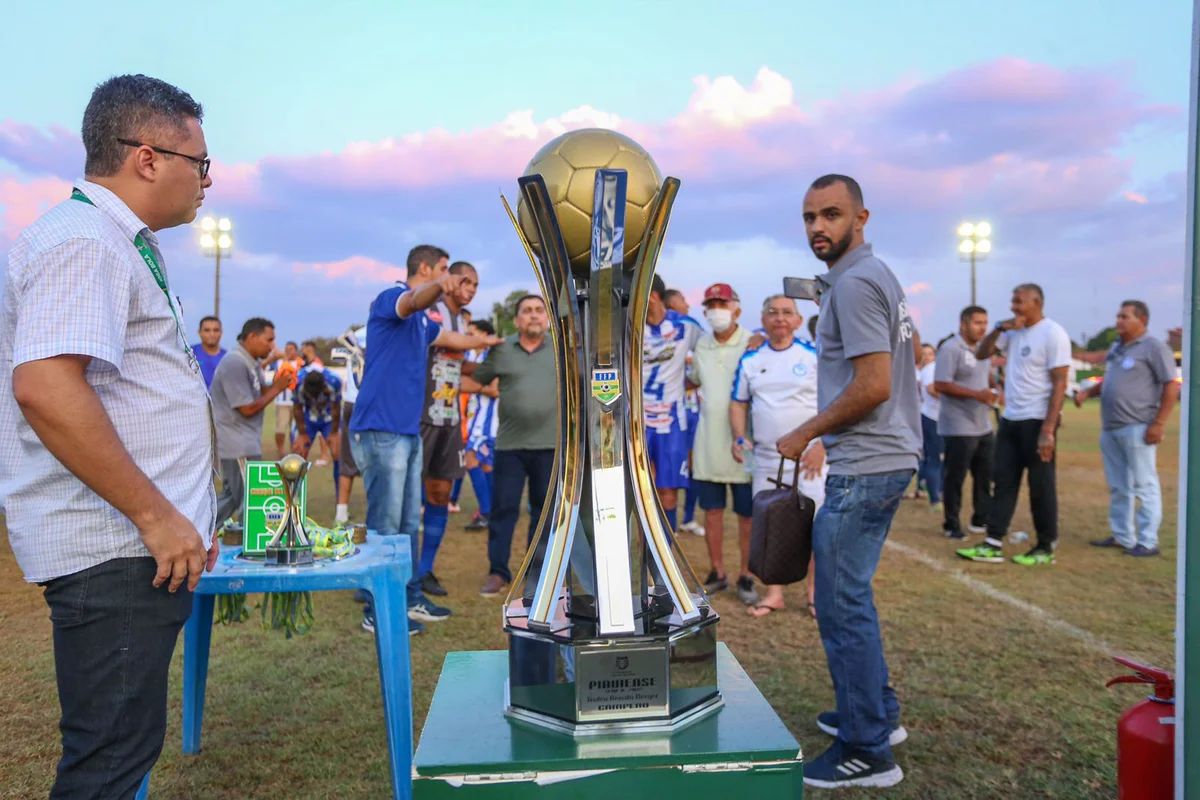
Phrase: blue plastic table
pixel 382 567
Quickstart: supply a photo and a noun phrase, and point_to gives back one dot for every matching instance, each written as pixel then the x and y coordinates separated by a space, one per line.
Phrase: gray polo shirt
pixel 960 416
pixel 237 382
pixel 863 311
pixel 1134 375
pixel 529 391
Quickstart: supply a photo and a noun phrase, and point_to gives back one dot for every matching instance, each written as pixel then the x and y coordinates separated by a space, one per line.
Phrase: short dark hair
pixel 209 318
pixel 812 326
pixel 825 181
pixel 314 381
pixel 671 294
pixel 135 107
pixel 1139 308
pixel 521 302
pixel 309 343
pixel 1031 287
pixel 254 325
pixel 459 267
pixel 971 311
pixel 292 343
pixel 424 254
pixel 466 312
pixel 659 287
pixel 484 326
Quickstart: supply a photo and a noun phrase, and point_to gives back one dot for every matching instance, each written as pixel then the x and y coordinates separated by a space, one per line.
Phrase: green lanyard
pixel 160 278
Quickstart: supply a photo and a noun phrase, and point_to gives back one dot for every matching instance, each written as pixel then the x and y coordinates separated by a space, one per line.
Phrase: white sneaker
pixel 692 527
pixel 977 528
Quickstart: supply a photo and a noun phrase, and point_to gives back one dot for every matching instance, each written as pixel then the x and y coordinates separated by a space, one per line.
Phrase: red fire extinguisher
pixel 1146 737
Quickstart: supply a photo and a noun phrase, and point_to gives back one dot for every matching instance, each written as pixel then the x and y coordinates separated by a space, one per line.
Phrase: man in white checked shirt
pixel 106 437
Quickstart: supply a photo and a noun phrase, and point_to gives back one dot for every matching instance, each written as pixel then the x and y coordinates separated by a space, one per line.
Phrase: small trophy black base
pixel 289 557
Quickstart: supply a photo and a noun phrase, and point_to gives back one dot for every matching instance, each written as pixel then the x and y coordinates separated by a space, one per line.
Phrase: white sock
pixel 343 513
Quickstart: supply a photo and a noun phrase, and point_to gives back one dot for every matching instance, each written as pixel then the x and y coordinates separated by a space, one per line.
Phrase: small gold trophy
pixel 291 545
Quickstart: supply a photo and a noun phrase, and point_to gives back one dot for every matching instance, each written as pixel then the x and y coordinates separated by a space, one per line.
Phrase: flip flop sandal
pixel 759 606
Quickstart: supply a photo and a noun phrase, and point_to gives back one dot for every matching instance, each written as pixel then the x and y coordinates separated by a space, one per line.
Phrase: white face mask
pixel 719 318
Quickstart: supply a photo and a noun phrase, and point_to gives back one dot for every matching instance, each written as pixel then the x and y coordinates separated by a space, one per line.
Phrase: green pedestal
pixel 469 749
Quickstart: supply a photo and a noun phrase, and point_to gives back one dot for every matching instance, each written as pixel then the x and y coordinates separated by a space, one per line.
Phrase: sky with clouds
pixel 341 137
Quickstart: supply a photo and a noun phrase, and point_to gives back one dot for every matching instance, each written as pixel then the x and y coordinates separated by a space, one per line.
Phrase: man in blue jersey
pixel 209 351
pixel 385 430
pixel 483 422
pixel 670 336
pixel 318 411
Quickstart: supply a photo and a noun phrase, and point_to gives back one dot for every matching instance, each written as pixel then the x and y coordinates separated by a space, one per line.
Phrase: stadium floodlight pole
pixel 974 244
pixel 217 241
pixel 1187 597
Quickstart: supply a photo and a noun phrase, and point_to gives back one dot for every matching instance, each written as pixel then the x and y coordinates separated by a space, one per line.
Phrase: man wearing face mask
pixel 715 473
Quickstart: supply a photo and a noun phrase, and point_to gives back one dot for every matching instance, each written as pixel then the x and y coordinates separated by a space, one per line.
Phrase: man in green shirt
pixel 528 425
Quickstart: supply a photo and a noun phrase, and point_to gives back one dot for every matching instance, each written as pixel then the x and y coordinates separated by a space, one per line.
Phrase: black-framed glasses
pixel 202 163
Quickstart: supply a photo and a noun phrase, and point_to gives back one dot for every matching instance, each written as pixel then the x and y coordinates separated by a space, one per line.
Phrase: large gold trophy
pixel 609 630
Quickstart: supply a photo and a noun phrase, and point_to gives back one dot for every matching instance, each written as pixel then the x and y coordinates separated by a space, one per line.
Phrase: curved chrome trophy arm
pixel 557 523
pixel 644 493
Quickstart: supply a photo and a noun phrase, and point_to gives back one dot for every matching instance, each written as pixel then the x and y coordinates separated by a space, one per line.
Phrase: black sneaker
pixel 1141 551
pixel 957 535
pixel 828 722
pixel 368 624
pixel 426 610
pixel 714 584
pixel 841 766
pixel 478 523
pixel 431 585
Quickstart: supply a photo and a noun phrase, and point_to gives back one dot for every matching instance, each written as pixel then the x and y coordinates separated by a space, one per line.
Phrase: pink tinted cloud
pixel 360 269
pixel 23 202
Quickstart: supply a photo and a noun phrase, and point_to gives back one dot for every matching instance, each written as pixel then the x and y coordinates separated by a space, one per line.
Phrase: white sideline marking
pixel 986 589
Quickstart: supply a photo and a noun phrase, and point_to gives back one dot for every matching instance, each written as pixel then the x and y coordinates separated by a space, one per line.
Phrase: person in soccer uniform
pixel 482 424
pixel 776 387
pixel 441 427
pixel 355 342
pixel 318 412
pixel 284 430
pixel 670 336
pixel 675 301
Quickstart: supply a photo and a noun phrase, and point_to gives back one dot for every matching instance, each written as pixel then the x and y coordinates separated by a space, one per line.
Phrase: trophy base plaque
pixel 289 557
pixel 659 680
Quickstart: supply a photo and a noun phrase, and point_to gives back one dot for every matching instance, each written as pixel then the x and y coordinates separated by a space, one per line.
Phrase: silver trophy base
pixel 654 683
pixel 289 557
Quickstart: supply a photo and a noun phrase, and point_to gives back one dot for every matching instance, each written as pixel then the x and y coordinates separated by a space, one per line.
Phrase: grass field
pixel 998 702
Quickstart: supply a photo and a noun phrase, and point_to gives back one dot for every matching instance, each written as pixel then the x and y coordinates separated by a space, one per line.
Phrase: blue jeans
pixel 1132 472
pixel 848 535
pixel 513 468
pixel 390 464
pixel 931 462
pixel 114 635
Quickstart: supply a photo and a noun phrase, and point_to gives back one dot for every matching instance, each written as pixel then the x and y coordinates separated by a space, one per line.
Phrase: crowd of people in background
pixel 109 447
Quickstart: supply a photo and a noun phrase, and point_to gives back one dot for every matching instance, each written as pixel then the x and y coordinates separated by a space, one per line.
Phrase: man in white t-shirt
pixel 930 469
pixel 283 403
pixel 355 342
pixel 777 384
pixel 1038 353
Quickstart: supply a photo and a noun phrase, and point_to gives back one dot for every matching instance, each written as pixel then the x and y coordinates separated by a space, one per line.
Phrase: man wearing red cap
pixel 716 475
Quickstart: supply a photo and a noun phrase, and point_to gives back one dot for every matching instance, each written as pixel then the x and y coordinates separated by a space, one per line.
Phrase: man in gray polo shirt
pixel 869 422
pixel 239 400
pixel 525 439
pixel 1137 396
pixel 964 384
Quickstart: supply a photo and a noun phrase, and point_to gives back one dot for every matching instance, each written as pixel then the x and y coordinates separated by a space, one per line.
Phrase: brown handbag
pixel 781 537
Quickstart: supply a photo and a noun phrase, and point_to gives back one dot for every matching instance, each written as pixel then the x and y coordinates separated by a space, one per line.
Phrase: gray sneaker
pixel 746 591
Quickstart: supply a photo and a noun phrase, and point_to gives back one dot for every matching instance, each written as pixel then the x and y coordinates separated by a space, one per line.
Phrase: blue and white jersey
pixel 664 369
pixel 781 388
pixel 483 412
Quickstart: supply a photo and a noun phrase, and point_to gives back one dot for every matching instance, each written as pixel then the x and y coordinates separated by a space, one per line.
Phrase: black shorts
pixel 348 468
pixel 442 452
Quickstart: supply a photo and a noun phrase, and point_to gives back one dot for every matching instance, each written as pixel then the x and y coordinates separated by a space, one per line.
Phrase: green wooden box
pixel 469 749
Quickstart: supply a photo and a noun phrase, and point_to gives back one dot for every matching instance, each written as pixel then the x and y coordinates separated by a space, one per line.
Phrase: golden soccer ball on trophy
pixel 568 165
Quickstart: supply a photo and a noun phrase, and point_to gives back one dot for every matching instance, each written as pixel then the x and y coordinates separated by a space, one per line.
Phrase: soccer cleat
pixel 1035 557
pixel 425 610
pixel 828 722
pixel 841 766
pixel 431 585
pixel 714 584
pixel 984 553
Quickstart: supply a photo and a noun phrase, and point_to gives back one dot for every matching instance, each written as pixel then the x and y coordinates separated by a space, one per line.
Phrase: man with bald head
pixel 869 421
